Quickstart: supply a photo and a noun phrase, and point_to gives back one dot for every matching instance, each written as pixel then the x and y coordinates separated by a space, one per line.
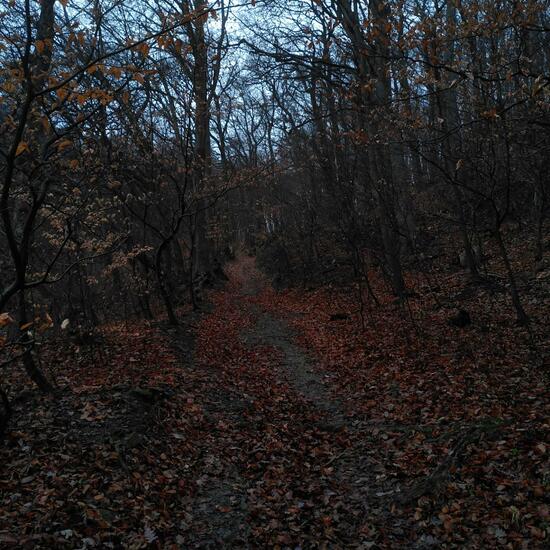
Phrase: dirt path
pixel 284 465
pixel 288 460
pixel 296 368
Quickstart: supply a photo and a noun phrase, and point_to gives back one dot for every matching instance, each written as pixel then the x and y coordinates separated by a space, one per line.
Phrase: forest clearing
pixel 274 274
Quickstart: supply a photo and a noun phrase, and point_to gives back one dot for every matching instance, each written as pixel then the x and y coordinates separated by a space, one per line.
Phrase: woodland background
pixel 386 163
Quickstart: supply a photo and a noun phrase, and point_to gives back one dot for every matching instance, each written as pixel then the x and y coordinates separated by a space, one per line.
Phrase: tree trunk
pixel 374 100
pixel 164 293
pixel 32 370
pixel 522 317
pixel 202 154
pixel 452 142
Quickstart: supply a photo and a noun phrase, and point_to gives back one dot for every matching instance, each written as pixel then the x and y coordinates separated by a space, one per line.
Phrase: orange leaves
pixel 62 94
pixel 231 416
pixel 490 114
pixel 39 45
pixel 167 42
pixel 63 145
pixel 45 323
pixel 90 413
pixel 9 86
pixel 163 41
pixel 446 516
pixel 438 394
pixel 116 72
pixel 143 49
pixel 45 122
pixel 541 448
pixel 41 324
pixel 5 320
pixel 21 148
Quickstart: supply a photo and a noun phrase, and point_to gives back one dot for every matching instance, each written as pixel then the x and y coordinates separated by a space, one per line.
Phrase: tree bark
pixel 32 370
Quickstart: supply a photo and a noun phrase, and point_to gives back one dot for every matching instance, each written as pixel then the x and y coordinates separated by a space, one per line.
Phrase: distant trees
pixel 105 159
pixel 138 143
pixel 410 111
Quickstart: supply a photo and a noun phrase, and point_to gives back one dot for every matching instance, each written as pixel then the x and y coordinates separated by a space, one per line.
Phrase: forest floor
pixel 274 420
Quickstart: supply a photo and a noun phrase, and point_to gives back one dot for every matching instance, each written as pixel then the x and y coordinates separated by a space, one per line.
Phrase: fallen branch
pixel 5 415
pixel 434 481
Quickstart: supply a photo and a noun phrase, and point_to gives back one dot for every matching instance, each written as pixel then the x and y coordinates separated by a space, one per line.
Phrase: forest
pixel 275 274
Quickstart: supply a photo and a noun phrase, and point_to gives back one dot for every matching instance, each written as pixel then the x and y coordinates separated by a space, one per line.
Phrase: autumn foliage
pixel 274 274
